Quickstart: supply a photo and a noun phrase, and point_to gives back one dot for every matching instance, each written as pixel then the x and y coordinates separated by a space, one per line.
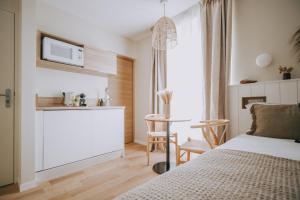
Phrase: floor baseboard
pixel 27 185
pixel 67 169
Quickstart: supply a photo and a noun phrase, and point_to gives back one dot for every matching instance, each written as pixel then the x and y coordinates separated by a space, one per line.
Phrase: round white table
pixel 162 167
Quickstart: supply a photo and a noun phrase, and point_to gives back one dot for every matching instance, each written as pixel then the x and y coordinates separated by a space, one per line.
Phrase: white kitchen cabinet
pixel 67 137
pixel 99 60
pixel 107 132
pixel 74 135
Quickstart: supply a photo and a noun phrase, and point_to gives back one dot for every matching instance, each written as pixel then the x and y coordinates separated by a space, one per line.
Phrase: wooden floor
pixel 103 181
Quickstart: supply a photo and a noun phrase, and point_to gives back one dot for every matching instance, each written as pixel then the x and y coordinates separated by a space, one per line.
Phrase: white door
pixel 6 92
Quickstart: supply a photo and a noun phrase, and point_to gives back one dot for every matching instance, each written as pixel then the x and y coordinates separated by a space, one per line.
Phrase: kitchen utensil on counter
pixel 82 100
pixel 100 102
pixel 68 98
pixel 107 97
pixel 76 101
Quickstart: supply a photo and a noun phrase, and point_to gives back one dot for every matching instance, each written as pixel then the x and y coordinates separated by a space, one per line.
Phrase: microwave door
pixel 58 52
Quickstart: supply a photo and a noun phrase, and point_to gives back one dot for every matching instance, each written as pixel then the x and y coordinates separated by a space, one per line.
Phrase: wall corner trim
pixel 27 185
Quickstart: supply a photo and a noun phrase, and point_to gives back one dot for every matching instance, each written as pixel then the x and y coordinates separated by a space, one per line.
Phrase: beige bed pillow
pixel 275 121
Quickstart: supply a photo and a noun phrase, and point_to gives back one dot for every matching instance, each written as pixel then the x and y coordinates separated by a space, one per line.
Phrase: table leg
pixel 168 147
pixel 162 167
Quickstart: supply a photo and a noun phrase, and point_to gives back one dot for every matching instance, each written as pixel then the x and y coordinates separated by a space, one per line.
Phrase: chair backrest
pixel 154 126
pixel 213 131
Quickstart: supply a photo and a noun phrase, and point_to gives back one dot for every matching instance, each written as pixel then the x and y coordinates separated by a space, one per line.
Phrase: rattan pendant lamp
pixel 164 35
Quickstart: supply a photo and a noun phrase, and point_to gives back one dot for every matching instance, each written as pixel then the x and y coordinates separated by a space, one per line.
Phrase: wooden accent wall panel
pixel 121 91
pixel 49 101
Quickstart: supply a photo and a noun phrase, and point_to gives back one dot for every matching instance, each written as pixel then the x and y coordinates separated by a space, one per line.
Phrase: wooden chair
pixel 209 128
pixel 156 134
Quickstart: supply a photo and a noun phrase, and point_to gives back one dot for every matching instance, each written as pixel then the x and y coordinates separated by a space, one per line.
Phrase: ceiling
pixel 129 18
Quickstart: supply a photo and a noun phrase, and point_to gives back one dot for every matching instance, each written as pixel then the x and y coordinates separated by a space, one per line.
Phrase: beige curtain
pixel 158 80
pixel 216 19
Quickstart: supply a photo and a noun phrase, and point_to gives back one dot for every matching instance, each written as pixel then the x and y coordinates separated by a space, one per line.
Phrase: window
pixel 185 76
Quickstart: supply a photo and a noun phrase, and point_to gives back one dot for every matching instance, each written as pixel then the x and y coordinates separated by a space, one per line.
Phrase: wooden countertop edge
pixel 78 108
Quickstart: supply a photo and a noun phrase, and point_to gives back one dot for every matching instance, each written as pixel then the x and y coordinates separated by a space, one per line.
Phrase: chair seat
pixel 196 146
pixel 159 134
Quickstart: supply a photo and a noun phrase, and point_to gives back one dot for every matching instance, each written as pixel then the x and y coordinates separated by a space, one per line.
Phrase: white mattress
pixel 271 146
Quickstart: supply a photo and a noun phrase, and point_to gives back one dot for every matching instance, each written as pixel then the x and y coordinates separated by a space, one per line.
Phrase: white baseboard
pixel 64 170
pixel 56 172
pixel 27 185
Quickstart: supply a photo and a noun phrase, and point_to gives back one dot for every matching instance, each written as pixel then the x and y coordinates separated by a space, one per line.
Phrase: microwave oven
pixel 62 52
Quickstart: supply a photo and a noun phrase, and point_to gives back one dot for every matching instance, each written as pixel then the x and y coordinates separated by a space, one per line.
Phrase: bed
pixel 246 167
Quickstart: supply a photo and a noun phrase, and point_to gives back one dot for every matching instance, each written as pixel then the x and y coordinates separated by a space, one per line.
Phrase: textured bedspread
pixel 225 174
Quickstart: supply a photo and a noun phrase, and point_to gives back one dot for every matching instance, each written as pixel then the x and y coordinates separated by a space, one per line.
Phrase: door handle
pixel 7 96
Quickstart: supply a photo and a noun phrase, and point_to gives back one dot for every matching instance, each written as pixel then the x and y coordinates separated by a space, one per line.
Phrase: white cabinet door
pixel 108 131
pixel 66 137
pixel 99 60
pixel 75 135
pixel 288 92
pixel 272 93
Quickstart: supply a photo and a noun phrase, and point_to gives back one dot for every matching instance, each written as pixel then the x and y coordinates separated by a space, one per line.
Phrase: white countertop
pixel 79 108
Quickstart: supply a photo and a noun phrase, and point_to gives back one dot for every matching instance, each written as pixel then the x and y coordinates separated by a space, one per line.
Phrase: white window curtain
pixel 185 73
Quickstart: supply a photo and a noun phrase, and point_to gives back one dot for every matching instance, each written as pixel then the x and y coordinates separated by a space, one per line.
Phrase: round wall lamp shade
pixel 263 60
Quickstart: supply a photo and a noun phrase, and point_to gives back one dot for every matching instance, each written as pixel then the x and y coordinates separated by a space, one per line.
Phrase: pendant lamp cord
pixel 164 2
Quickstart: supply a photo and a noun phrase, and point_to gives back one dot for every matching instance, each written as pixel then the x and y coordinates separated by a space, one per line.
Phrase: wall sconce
pixel 263 60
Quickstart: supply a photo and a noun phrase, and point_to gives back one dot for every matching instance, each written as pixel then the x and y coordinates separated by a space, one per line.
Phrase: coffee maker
pixel 82 100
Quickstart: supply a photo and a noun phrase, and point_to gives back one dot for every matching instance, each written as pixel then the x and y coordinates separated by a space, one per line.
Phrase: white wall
pixel 58 22
pixel 27 89
pixel 51 83
pixel 142 84
pixel 263 26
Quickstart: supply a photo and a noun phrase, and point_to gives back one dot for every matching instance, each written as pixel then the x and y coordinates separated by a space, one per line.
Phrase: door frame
pixel 132 60
pixel 25 40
